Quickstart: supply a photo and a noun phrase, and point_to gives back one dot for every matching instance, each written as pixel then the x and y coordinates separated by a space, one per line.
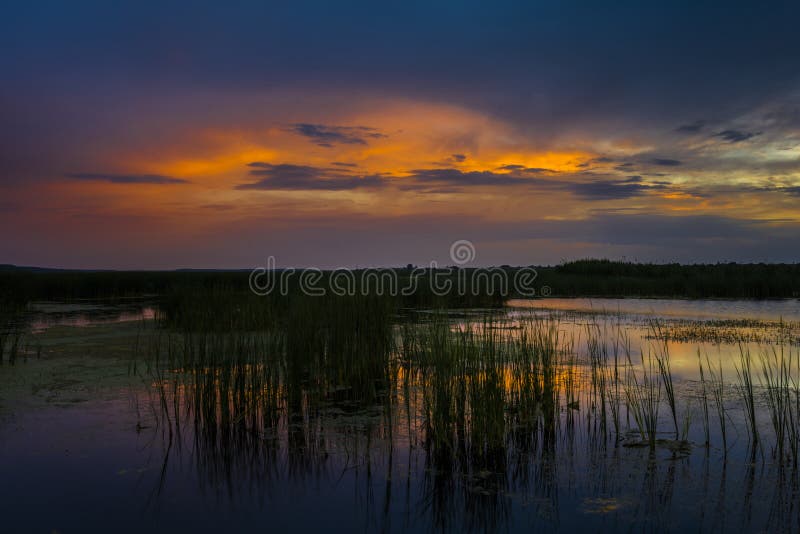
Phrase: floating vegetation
pixel 729 331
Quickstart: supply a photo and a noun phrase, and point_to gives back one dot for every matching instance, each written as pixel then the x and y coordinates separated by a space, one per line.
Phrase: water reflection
pixel 44 315
pixel 697 309
pixel 517 422
pixel 484 425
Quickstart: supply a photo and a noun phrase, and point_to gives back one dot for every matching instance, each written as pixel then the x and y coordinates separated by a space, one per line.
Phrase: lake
pixel 110 422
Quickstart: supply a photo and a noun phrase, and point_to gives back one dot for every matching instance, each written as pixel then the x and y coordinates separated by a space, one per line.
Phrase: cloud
pixel 736 136
pixel 523 169
pixel 602 188
pixel 288 177
pixel 665 162
pixel 330 136
pixel 126 178
pixel 471 178
pixel 613 189
pixel 343 164
pixel 451 160
pixel 602 160
pixel 692 128
pixel 511 167
pixel 306 177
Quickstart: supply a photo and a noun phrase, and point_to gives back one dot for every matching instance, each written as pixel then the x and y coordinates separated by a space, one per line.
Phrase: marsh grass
pixel 643 395
pixel 662 358
pixel 486 399
pixel 779 370
pixel 716 383
pixel 598 358
pixel 747 393
pixel 704 400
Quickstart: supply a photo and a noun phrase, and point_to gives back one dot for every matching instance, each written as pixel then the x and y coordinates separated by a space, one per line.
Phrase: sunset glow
pixel 176 165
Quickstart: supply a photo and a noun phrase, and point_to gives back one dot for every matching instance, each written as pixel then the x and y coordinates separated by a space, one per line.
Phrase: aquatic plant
pixel 746 390
pixel 643 394
pixel 779 370
pixel 662 358
pixel 704 399
pixel 716 383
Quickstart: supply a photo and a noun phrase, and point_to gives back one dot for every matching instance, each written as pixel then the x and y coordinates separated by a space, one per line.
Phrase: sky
pixel 160 135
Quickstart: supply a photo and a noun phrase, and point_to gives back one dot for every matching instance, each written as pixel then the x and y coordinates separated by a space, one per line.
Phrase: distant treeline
pixel 720 280
pixel 18 286
pixel 579 278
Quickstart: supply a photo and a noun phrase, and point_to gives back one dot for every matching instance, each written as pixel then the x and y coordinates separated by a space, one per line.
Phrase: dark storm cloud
pixel 602 160
pixel 284 176
pixel 666 162
pixel 736 136
pixel 84 81
pixel 511 167
pixel 722 190
pixel 452 159
pixel 545 67
pixel 692 128
pixel 585 185
pixel 613 189
pixel 287 177
pixel 329 136
pixel 306 177
pixel 126 178
pixel 523 169
pixel 607 190
pixel 559 64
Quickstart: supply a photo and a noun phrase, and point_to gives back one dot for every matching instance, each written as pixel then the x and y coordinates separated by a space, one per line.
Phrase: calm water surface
pixel 81 456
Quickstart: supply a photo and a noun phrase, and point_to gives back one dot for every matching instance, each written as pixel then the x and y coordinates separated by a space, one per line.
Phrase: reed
pixel 717 385
pixel 746 390
pixel 704 399
pixel 477 393
pixel 614 379
pixel 643 396
pixel 598 360
pixel 662 358
pixel 779 371
pixel 793 405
